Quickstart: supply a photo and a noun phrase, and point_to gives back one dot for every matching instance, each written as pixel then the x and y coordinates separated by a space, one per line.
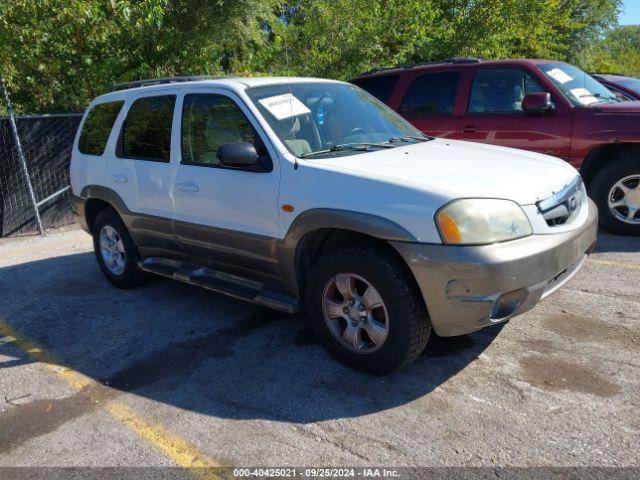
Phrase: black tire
pixel 131 275
pixel 409 326
pixel 625 165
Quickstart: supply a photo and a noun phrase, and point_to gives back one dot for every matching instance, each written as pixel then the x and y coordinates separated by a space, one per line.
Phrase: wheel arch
pixel 603 155
pixel 97 199
pixel 318 231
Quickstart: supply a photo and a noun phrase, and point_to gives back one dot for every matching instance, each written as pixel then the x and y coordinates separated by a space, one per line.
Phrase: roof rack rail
pixel 160 81
pixel 610 73
pixel 452 60
pixel 463 60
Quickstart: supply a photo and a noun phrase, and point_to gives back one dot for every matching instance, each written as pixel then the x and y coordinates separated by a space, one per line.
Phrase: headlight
pixel 482 220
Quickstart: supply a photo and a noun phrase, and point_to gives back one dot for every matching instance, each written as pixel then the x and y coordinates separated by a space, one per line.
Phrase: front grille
pixel 563 206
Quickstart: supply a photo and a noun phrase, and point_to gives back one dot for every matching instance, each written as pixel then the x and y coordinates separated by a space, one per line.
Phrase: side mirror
pixel 538 102
pixel 238 155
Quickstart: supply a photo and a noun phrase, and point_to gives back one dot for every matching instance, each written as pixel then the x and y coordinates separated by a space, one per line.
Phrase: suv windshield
pixel 327 119
pixel 579 87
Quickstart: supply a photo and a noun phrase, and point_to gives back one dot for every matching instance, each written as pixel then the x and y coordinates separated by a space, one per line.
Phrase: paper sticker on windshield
pixel 284 106
pixel 584 96
pixel 559 75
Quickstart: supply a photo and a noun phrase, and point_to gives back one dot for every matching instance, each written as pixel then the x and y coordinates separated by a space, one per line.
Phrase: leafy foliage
pixel 618 52
pixel 58 54
pixel 340 38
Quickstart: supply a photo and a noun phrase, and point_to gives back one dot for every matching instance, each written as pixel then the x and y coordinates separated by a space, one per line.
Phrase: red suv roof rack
pixel 452 60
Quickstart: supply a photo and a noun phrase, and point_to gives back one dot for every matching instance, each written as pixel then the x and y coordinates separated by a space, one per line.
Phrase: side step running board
pixel 221 282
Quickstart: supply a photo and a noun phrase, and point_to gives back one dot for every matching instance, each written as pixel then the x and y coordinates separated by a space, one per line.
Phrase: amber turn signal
pixel 448 228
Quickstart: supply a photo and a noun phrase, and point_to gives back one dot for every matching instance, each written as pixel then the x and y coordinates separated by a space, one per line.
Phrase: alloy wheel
pixel 355 313
pixel 112 250
pixel 624 199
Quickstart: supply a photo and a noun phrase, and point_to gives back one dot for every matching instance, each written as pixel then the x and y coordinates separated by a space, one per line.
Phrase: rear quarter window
pixel 379 87
pixel 97 127
pixel 432 93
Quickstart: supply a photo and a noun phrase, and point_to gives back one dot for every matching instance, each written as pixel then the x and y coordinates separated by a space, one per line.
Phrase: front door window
pixel 501 91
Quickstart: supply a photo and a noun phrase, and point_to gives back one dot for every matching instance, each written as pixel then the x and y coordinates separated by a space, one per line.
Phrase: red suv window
pixel 501 90
pixel 432 93
pixel 380 87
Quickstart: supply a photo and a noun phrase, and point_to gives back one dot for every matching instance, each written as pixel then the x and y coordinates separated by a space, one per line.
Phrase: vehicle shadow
pixel 608 242
pixel 197 350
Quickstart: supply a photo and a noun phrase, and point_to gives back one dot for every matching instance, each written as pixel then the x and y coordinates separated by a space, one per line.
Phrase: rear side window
pixel 209 121
pixel 433 93
pixel 97 127
pixel 379 87
pixel 146 132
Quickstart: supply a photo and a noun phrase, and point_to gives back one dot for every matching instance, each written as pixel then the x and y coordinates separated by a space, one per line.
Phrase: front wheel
pixel 365 309
pixel 616 191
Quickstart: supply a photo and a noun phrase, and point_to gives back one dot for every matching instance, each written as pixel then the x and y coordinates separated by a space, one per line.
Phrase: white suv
pixel 311 193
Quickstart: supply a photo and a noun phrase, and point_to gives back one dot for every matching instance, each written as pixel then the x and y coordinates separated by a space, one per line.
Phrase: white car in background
pixel 311 194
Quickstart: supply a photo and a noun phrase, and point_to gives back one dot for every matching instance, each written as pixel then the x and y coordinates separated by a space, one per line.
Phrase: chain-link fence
pixel 35 154
pixel 46 143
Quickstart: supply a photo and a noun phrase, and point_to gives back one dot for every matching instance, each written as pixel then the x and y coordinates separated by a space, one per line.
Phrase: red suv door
pixel 494 112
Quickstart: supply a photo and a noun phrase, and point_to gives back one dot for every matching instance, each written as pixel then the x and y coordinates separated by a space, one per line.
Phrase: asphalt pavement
pixel 171 375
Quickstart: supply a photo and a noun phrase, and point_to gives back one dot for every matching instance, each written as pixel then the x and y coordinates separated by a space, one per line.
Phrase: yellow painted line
pixel 174 447
pixel 629 266
pixel 76 380
pixel 181 452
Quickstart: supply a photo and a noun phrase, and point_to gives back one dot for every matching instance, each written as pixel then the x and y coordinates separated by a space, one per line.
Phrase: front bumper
pixel 467 288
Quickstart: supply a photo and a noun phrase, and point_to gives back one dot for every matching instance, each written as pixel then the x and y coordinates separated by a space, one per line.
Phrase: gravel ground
pixel 168 374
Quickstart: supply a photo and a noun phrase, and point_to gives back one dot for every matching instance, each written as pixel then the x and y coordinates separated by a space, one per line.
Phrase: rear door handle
pixel 188 187
pixel 470 129
pixel 119 179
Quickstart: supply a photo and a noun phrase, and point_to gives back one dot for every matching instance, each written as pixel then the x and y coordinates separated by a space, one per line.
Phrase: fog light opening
pixel 506 304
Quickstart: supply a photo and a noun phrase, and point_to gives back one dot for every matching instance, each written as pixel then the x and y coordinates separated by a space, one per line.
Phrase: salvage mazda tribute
pixel 309 193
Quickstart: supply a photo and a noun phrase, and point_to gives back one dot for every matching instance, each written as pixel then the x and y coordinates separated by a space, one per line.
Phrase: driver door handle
pixel 470 129
pixel 119 179
pixel 189 187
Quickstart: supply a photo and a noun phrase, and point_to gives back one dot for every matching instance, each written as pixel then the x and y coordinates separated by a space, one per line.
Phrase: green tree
pixel 57 54
pixel 520 28
pixel 617 52
pixel 341 38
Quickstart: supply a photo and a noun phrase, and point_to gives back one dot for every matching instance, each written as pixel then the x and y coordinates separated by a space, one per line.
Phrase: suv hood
pixel 457 169
pixel 622 107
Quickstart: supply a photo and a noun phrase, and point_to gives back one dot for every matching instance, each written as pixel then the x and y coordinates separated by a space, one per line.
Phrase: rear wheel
pixel 115 251
pixel 365 309
pixel 616 191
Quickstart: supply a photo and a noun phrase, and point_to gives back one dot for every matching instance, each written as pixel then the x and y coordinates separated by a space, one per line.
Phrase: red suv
pixel 539 105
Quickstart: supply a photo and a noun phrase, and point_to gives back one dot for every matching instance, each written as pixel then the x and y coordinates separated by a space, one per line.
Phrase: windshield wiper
pixel 608 97
pixel 409 138
pixel 360 146
pixel 600 97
